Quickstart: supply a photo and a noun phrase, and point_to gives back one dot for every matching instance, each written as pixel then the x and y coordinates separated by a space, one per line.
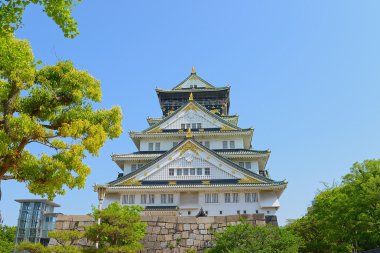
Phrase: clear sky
pixel 304 74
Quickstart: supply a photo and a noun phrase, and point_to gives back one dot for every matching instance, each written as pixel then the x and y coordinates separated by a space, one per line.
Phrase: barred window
pixel 143 199
pixel 251 197
pixel 151 198
pixel 227 198
pixel 171 172
pixel 170 198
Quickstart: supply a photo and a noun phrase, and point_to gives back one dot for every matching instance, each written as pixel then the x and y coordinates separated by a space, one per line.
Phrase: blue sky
pixel 304 74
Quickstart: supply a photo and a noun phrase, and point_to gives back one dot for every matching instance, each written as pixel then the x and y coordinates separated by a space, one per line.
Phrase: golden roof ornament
pixel 193 70
pixel 189 134
pixel 191 97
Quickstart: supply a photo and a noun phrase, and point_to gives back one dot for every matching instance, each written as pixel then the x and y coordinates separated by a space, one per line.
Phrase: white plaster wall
pixel 190 117
pixel 189 161
pixel 212 208
pixel 269 199
pixel 166 144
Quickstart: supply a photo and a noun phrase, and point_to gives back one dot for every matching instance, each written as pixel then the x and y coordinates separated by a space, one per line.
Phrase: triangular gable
pixel 184 150
pixel 193 81
pixel 191 109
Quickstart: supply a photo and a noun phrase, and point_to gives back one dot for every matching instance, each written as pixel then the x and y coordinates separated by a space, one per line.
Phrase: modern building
pixel 36 219
pixel 194 156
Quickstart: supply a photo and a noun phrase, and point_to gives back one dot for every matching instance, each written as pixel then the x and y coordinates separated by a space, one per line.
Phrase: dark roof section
pixel 161 208
pixel 216 150
pixel 199 106
pixel 232 164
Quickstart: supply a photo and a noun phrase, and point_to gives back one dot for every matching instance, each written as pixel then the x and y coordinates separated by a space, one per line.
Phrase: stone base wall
pixel 168 233
pixel 176 234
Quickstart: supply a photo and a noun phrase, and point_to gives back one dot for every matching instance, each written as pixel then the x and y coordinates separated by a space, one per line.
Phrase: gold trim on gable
pixel 172 182
pixel 248 180
pixel 191 106
pixel 189 146
pixel 157 129
pixel 131 181
pixel 205 182
pixel 226 128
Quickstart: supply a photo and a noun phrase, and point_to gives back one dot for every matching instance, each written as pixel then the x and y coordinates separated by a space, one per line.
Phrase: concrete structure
pixel 36 219
pixel 194 156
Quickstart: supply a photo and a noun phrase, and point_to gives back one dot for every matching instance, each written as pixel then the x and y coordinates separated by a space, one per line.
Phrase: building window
pixel 251 197
pixel 235 197
pixel 211 198
pixel 170 198
pixel 150 148
pixel 199 125
pixel 232 144
pixel 186 172
pixel 143 199
pixel 192 171
pixel 194 125
pixel 183 126
pixel 158 146
pixel 207 144
pixel 245 211
pixel 171 172
pixel 220 212
pixel 175 143
pixel 151 198
pixel 225 144
pixel 199 171
pixel 128 199
pixel 179 172
pixel 187 126
pixel 227 198
pixel 238 211
pixel 241 164
pixel 133 167
pixel 188 212
pixel 207 171
pixel 248 165
pixel 163 198
pixel 206 212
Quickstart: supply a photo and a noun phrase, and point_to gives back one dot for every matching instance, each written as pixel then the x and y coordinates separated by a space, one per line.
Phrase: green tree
pixel 346 218
pixel 52 107
pixel 120 229
pixel 11 12
pixel 246 238
pixel 7 238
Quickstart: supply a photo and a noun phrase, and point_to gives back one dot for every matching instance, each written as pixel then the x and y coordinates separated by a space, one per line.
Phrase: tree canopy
pixel 7 238
pixel 53 107
pixel 246 238
pixel 120 228
pixel 346 217
pixel 11 12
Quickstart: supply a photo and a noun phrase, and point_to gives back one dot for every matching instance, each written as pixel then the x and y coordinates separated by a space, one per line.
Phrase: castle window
pixel 232 144
pixel 207 171
pixel 150 148
pixel 133 167
pixel 227 198
pixel 194 125
pixel 211 198
pixel 241 164
pixel 179 172
pixel 170 198
pixel 245 211
pixel 183 126
pixel 238 211
pixel 186 172
pixel 192 171
pixel 199 171
pixel 248 165
pixel 251 197
pixel 207 144
pixel 199 125
pixel 143 199
pixel 151 198
pixel 235 197
pixel 128 199
pixel 225 144
pixel 163 198
pixel 171 172
pixel 158 146
pixel 188 212
pixel 220 212
pixel 188 126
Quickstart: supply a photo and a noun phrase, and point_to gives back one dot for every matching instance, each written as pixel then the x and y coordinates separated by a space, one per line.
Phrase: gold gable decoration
pixel 131 181
pixel 248 180
pixel 226 128
pixel 190 106
pixel 191 97
pixel 189 146
pixel 157 129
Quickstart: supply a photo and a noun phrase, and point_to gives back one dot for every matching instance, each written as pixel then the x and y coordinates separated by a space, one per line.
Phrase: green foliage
pixel 345 217
pixel 32 247
pixel 120 229
pixel 7 237
pixel 52 107
pixel 246 238
pixel 11 12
